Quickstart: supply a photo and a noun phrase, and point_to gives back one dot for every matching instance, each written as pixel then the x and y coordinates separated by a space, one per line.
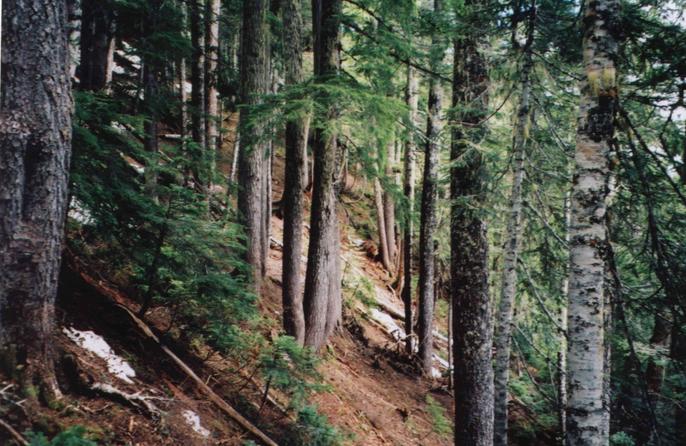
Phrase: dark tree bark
pixel 381 225
pixel 97 44
pixel 151 71
pixel 296 140
pixel 428 215
pixel 254 83
pixel 322 299
pixel 35 148
pixel 472 323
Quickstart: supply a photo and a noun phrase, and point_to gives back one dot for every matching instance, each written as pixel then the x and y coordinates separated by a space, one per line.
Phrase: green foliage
pixel 73 436
pixel 168 250
pixel 292 369
pixel 313 429
pixel 621 439
pixel 439 423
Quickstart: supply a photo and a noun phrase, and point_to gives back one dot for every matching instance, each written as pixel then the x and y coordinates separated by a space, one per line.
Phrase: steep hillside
pixel 125 387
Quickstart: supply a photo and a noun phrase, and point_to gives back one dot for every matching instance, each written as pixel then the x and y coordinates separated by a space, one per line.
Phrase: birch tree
pixel 585 411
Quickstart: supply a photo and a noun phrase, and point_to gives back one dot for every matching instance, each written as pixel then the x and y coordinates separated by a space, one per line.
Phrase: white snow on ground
pixel 79 213
pixel 98 346
pixel 193 421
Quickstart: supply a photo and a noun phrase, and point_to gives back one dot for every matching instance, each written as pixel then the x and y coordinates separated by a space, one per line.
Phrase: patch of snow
pixel 193 421
pixel 435 373
pixel 79 213
pixel 95 344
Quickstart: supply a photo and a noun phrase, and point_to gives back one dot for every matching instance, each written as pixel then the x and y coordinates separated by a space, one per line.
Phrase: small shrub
pixel 440 424
pixel 73 436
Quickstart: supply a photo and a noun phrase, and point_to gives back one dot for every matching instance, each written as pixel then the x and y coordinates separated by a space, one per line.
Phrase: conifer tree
pixel 472 319
pixel 35 149
pixel 322 299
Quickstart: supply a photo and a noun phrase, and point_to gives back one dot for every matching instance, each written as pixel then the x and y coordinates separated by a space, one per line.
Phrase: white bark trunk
pixel 585 411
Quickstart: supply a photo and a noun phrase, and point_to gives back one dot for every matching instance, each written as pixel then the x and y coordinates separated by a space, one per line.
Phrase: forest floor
pixel 375 395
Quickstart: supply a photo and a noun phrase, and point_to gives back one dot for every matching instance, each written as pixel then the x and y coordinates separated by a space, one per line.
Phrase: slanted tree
pixel 254 83
pixel 508 280
pixel 427 230
pixel 585 366
pixel 294 185
pixel 472 319
pixel 97 44
pixel 35 149
pixel 322 298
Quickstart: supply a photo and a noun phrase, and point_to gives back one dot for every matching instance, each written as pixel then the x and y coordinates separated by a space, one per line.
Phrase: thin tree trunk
pixel 427 295
pixel 97 44
pixel 389 209
pixel 472 322
pixel 151 124
pixel 587 230
pixel 513 234
pixel 562 354
pixel 253 150
pixel 295 173
pixel 381 225
pixel 412 100
pixel 198 81
pixel 322 282
pixel 35 149
pixel 212 12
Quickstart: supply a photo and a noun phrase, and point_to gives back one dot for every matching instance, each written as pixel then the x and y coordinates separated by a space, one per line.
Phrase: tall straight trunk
pixel 97 44
pixel 585 416
pixel 562 354
pixel 295 172
pixel 35 149
pixel 427 229
pixel 212 12
pixel 322 281
pixel 197 79
pixel 389 208
pixel 151 142
pixel 472 323
pixel 513 234
pixel 412 100
pixel 381 225
pixel 254 82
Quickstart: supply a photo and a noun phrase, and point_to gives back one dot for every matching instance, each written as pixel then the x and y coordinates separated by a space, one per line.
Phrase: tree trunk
pixel 151 124
pixel 472 323
pixel 562 354
pixel 294 185
pixel 389 209
pixel 198 82
pixel 381 225
pixel 322 282
pixel 97 44
pixel 35 149
pixel 252 154
pixel 212 12
pixel 513 234
pixel 587 229
pixel 427 229
pixel 412 100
